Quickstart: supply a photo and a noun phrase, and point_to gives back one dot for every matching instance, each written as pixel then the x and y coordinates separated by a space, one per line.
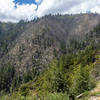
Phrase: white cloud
pixel 68 6
pixel 8 12
pixel 85 6
pixel 56 6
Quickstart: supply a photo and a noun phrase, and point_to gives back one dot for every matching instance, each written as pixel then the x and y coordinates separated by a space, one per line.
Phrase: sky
pixel 15 10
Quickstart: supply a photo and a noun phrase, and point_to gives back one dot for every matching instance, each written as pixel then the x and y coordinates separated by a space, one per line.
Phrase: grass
pixel 49 96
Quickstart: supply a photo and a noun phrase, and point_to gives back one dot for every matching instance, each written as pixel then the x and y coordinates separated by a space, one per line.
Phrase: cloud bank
pixel 9 11
pixel 68 6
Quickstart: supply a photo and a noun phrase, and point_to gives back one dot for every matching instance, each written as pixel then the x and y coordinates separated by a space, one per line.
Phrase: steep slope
pixel 33 48
pixel 43 39
pixel 67 47
pixel 8 33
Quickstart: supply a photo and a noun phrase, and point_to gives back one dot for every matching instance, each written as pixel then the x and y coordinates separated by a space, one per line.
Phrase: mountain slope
pixel 8 33
pixel 43 39
pixel 53 54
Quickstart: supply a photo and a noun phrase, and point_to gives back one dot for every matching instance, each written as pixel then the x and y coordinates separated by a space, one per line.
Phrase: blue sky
pixel 28 2
pixel 30 9
pixel 25 1
pixel 21 2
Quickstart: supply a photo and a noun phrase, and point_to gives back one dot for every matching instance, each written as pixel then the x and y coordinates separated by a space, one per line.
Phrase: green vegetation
pixel 70 74
pixel 50 96
pixel 6 77
pixel 66 77
pixel 8 33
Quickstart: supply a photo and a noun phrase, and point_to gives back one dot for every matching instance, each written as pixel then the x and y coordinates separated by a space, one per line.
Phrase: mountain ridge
pixel 52 30
pixel 53 54
pixel 45 37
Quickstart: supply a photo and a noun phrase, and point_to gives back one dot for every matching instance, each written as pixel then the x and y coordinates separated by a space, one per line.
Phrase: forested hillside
pixel 8 33
pixel 46 37
pixel 49 58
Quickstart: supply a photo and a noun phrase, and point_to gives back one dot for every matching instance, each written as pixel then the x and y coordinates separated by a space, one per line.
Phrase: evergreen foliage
pixel 69 76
